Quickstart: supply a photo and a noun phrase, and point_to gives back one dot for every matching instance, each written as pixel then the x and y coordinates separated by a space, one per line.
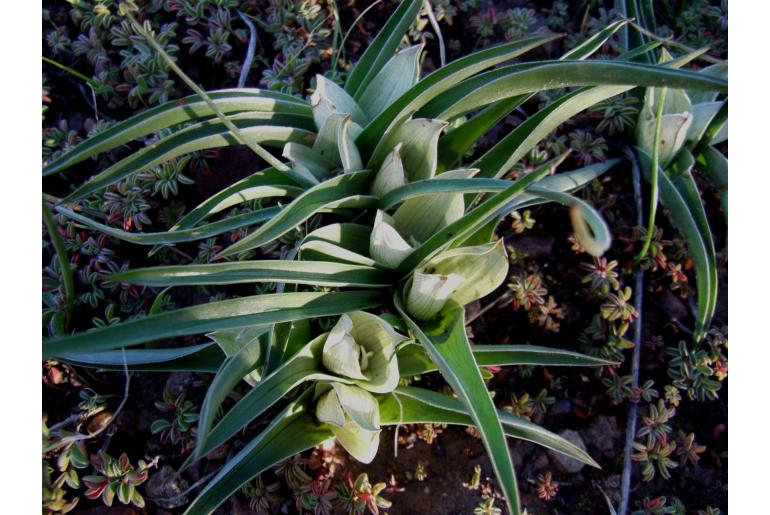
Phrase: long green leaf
pixel 317 273
pixel 303 366
pixel 382 48
pixel 412 359
pixel 409 405
pixel 460 140
pixel 683 220
pixel 513 80
pixel 442 185
pixel 253 126
pixel 713 164
pixel 205 357
pixel 241 312
pixel 229 375
pixel 434 84
pixel 446 343
pixel 188 109
pixel 563 182
pixel 67 281
pixel 263 184
pixel 303 207
pixel 601 239
pixel 507 152
pixel 292 431
pixel 341 243
pixel 685 184
pixel 178 236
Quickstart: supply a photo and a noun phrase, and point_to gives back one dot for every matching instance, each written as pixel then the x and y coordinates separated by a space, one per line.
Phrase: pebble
pixel 565 463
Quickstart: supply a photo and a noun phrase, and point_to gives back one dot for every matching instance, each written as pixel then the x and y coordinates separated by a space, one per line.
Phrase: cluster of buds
pixel 361 351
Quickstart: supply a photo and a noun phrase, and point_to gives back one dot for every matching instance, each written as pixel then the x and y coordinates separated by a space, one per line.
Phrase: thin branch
pixel 654 172
pixel 437 30
pixel 235 131
pixel 487 307
pixel 250 53
pixel 625 480
pixel 675 44
pixel 117 411
pixel 174 497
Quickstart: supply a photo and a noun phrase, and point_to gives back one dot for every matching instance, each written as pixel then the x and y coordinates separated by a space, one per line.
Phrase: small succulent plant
pixel 116 477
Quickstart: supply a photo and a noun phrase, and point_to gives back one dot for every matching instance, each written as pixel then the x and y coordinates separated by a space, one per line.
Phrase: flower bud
pixel 353 415
pixel 463 274
pixel 361 347
pixel 428 293
pixel 386 246
pixel 675 121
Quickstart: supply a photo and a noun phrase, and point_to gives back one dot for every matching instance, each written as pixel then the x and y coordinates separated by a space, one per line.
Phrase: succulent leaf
pixel 390 175
pixel 397 77
pixel 419 151
pixel 328 99
pixel 386 246
pixel 420 217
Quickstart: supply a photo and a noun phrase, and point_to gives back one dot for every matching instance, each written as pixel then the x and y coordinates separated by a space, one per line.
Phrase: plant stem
pixel 625 480
pixel 437 30
pixel 68 283
pixel 487 307
pixel 671 42
pixel 236 132
pixel 117 411
pixel 341 48
pixel 654 176
pixel 250 53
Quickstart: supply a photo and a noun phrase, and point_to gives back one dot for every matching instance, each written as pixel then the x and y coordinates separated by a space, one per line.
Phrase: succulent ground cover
pixel 555 290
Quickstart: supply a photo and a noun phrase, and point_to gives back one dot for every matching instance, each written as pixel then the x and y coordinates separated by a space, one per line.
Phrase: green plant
pixel 179 428
pixel 359 496
pixel 261 497
pixel 116 477
pixel 376 292
pixel 676 134
pixel 547 488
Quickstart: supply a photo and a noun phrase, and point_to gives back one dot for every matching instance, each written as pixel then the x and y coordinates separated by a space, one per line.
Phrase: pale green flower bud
pixel 463 275
pixel 675 123
pixel 361 347
pixel 428 293
pixel 353 416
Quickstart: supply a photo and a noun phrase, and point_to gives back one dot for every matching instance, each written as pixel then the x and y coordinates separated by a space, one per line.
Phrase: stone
pixel 165 485
pixel 565 463
pixel 603 436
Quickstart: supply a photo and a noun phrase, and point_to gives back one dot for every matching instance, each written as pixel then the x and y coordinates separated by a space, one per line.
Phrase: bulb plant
pixel 402 239
pixel 677 133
